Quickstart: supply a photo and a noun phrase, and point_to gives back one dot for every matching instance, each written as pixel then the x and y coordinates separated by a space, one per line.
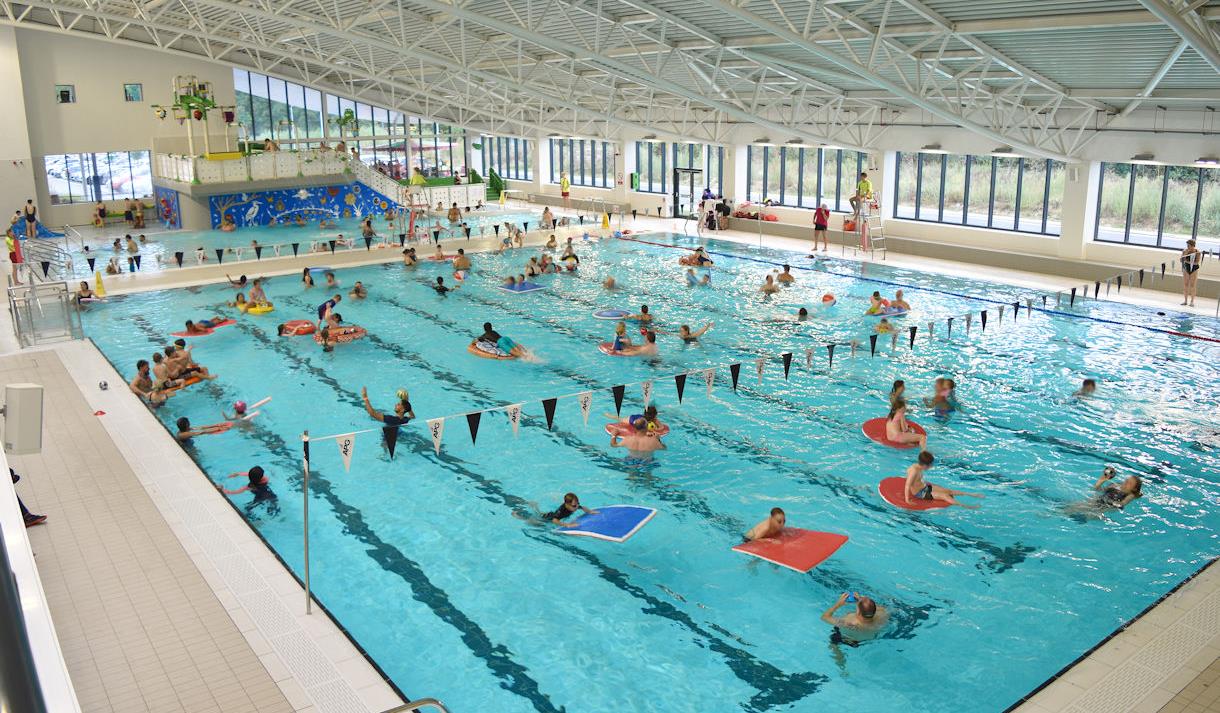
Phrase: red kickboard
pixel 874 428
pixel 796 549
pixel 891 492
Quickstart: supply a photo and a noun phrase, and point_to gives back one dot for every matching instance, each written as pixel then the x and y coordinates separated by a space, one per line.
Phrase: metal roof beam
pixel 1190 26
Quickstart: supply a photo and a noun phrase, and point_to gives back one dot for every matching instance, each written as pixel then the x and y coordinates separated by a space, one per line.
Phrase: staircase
pixel 376 180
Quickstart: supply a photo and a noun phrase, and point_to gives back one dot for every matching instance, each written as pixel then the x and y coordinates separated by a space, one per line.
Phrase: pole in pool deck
pixel 305 513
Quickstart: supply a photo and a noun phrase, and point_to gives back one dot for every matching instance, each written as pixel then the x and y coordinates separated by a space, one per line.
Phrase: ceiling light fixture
pixel 1206 161
pixel 764 141
pixel 932 148
pixel 1005 152
pixel 1144 159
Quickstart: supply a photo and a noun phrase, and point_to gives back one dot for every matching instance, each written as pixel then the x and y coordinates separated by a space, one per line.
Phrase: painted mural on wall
pixel 354 200
pixel 166 200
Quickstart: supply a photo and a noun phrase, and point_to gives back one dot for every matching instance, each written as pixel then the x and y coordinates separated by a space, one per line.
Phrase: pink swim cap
pixel 239 406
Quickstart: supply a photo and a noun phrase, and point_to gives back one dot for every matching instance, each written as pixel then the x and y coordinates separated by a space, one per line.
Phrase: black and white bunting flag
pixel 200 256
pixel 472 422
pixel 548 408
pixel 1141 277
pixel 368 243
pixel 332 246
pixel 680 385
pixel 1162 271
pixel 137 259
pixel 930 325
pixel 983 319
pixel 258 252
pixel 872 341
pixel 709 378
pixel 295 247
pixel 914 329
pixel 1016 309
pixel 830 356
pixel 1072 303
pixel 436 427
pixel 1118 284
pixel 390 435
pixel 893 342
pixel 585 398
pixel 238 252
pixel 220 255
pixel 646 391
pixel 618 392
pixel 1097 289
pixel 809 357
pixel 177 258
pixel 1000 318
pixel 93 261
pixel 759 364
pixel 949 329
pixel 346 444
pixel 787 356
pixel 276 248
pixel 514 417
pixel 46 267
pixel 735 372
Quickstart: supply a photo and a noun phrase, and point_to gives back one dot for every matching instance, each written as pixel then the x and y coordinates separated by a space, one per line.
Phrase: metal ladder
pixel 36 251
pixel 419 705
pixel 870 231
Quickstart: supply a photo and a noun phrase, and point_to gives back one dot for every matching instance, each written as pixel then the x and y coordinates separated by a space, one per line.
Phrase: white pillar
pixel 1079 208
pixel 17 168
pixel 736 166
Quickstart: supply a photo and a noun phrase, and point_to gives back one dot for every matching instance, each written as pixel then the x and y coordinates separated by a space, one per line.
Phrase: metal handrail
pixel 419 705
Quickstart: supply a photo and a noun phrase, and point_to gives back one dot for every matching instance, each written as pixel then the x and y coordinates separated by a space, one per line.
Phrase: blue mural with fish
pixel 350 200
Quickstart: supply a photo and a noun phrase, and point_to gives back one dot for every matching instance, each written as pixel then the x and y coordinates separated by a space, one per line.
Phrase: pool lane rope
pixel 892 283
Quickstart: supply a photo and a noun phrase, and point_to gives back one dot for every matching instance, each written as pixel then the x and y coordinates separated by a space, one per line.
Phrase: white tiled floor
pixel 317 668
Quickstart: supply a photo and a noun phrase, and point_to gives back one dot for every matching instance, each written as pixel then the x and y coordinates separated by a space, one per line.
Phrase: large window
pixel 1157 206
pixel 652 164
pixel 1004 193
pixel 803 177
pixel 270 108
pixel 706 157
pixel 438 149
pixel 587 162
pixel 92 177
pixel 508 156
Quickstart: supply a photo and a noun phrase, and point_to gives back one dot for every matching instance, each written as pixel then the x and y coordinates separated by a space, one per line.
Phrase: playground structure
pixel 194 101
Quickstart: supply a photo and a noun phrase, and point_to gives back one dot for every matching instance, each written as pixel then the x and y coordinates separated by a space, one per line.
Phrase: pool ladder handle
pixel 418 705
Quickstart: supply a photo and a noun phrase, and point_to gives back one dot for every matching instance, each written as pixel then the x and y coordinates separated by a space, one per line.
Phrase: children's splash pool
pixel 423 562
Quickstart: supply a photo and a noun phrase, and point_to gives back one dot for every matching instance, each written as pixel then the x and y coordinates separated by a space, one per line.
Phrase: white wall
pixel 16 165
pixel 100 120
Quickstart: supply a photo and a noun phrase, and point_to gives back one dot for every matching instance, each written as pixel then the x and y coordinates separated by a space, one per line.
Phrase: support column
pixel 1079 208
pixel 16 163
pixel 737 163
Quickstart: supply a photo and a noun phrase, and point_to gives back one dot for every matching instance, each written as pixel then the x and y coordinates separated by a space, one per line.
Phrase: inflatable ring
pixel 442 258
pixel 352 333
pixel 611 313
pixel 260 309
pixel 607 348
pixel 887 313
pixel 488 351
pixel 874 428
pixel 299 327
pixel 621 429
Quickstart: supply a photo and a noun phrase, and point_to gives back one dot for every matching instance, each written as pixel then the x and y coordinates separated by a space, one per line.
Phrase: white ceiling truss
pixel 836 72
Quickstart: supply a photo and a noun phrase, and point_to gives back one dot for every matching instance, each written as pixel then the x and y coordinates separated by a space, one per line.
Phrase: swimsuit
pixel 836 637
pixel 560 513
pixel 925 493
pixel 1189 266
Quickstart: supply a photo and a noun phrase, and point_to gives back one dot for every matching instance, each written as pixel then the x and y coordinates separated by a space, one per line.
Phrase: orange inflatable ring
pixel 474 348
pixel 348 334
pixel 188 381
pixel 622 429
pixel 297 327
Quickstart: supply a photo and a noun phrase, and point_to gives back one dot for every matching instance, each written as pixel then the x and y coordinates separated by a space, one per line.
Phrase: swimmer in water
pixel 877 304
pixel 691 279
pixel 359 291
pixel 644 317
pixel 785 277
pixel 257 484
pixel 802 315
pixel 897 390
pixel 186 433
pixel 258 298
pixel 439 254
pixel 239 283
pixel 621 340
pixel 408 258
pixel 460 261
pixel 771 527
pixel 609 284
pixel 551 244
pixel 690 337
pixel 240 418
pixel 707 280
pixel 1117 496
pixel 640 443
pixel 884 326
pixel 648 348
pixel 1087 388
pixel 330 280
pixel 919 489
pixel 652 420
pixel 203 326
pixel 239 302
pixel 941 400
pixel 306 278
pixel 900 304
pixel 865 622
pixel 440 287
pixel 327 307
pixel 701 258
pixel 769 287
pixel 142 385
pixel 493 338
pixel 567 509
pixel 897 430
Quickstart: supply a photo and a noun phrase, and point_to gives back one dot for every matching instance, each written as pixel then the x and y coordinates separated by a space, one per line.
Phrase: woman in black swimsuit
pixel 1190 259
pixel 31 218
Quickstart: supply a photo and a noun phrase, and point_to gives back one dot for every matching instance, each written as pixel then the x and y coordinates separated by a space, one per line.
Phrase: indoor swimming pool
pixel 422 560
pixel 158 252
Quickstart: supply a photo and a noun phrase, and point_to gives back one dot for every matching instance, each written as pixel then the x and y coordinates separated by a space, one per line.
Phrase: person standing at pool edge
pixel 565 190
pixel 821 219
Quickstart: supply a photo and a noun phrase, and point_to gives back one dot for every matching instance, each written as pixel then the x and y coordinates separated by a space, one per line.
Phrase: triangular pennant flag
pixel 586 404
pixel 618 398
pixel 930 325
pixel 1097 289
pixel 238 251
pixel 390 435
pixel 467 229
pixel 346 444
pixel 949 329
pixel 709 378
pixel 1118 283
pixel 1162 271
pixel 893 341
pixel 332 246
pixel 581 218
pixel 525 226
pixel 295 247
pixel 830 355
pixel 548 407
pixel 787 356
pixel 809 357
pixel 913 330
pixel 854 343
pixel 92 261
pixel 1141 277
pixel 983 318
pixel 1058 299
pixel 276 248
pixel 1016 309
pixel 872 340
pixel 258 252
pixel 177 258
pixel 646 391
pixel 436 427
pixel 497 229
pixel 735 372
pixel 402 239
pixel 1000 317
pixel 46 267
pixel 1029 305
pixel 472 421
pixel 759 364
pixel 1072 303
pixel 200 256
pixel 220 255
pixel 1107 288
pixel 514 416
pixel 680 385
pixel 368 243
pixel 969 319
pixel 137 259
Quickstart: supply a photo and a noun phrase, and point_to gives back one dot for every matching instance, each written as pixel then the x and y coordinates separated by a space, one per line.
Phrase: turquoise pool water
pixel 158 252
pixel 423 562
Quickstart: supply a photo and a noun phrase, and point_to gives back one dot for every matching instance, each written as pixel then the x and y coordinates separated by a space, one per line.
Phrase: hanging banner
pixel 472 422
pixel 586 403
pixel 436 427
pixel 830 356
pixel 735 372
pixel 548 407
pixel 46 267
pixel 618 398
pixel 872 340
pixel 346 444
pixel 680 385
pixel 646 391
pixel 177 258
pixel 1072 303
pixel 295 247
pixel 914 329
pixel 983 319
pixel 787 357
pixel 514 417
pixel 709 377
pixel 390 435
pixel 220 255
pixel 92 261
pixel 758 366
